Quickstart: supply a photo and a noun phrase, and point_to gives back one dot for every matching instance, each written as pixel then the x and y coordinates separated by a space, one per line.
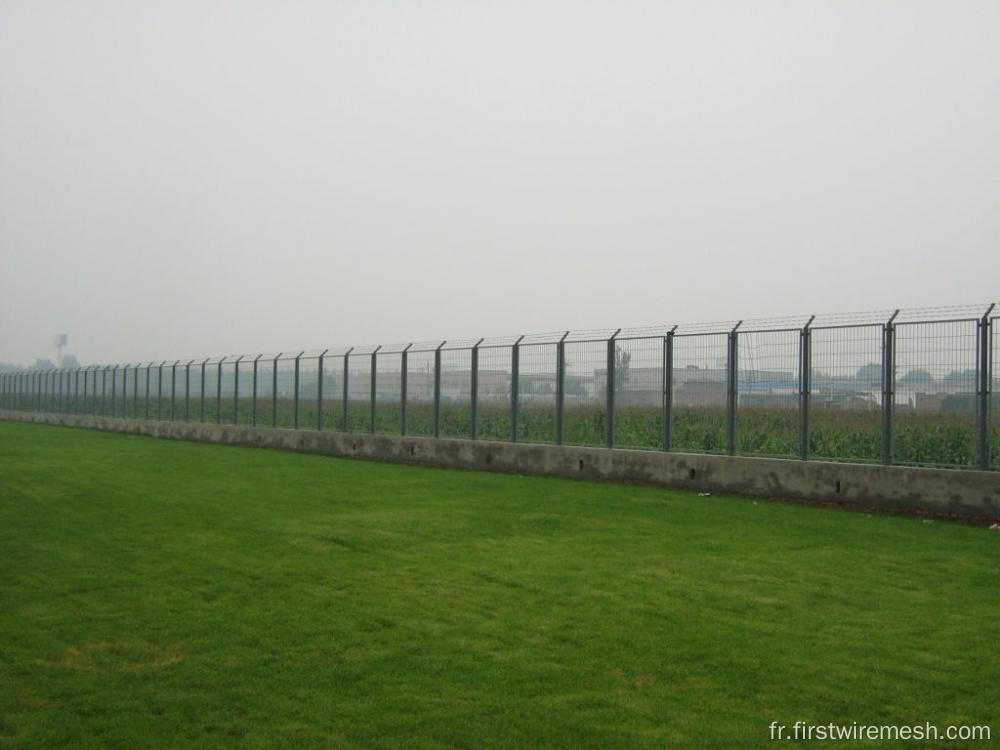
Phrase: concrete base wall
pixel 970 494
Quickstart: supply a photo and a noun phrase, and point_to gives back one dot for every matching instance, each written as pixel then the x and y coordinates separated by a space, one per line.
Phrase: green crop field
pixel 168 594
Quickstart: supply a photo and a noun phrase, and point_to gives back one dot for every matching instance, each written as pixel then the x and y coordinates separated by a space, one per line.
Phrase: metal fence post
pixel 888 388
pixel 668 389
pixel 159 390
pixel 344 421
pixel 173 390
pixel 104 391
pixel 474 391
pixel 372 388
pixel 319 390
pixel 515 377
pixel 295 391
pixel 146 402
pixel 437 390
pixel 114 389
pixel 125 370
pixel 732 388
pixel 402 389
pixel 187 390
pixel 984 350
pixel 253 397
pixel 236 389
pixel 609 422
pixel 274 390
pixel 805 387
pixel 560 388
pixel 201 395
pixel 218 390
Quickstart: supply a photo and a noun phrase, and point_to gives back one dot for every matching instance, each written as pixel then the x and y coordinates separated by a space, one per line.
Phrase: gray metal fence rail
pixel 914 387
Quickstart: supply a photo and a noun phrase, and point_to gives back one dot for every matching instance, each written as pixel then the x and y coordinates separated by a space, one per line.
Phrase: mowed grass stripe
pixel 170 594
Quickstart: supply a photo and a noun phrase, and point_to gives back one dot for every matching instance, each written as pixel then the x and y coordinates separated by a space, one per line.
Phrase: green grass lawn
pixel 175 595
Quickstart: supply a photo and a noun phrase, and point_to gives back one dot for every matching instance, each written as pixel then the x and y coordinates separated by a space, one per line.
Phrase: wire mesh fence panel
pixel 935 384
pixel 456 393
pixel 210 392
pixel 142 398
pixel 768 422
pixel 226 398
pixel 845 402
pixel 639 393
pixel 994 380
pixel 309 393
pixel 333 393
pixel 359 389
pixel 493 414
pixel 536 393
pixel 699 393
pixel 264 414
pixel 420 393
pixel 102 384
pixel 243 398
pixel 286 391
pixel 388 393
pixel 65 391
pixel 193 405
pixel 28 390
pixel 180 400
pixel 125 399
pixel 585 398
pixel 169 386
pixel 28 398
pixel 45 391
pixel 76 393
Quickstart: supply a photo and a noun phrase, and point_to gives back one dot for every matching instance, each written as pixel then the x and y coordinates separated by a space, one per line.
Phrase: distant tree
pixel 917 379
pixel 44 364
pixel 69 360
pixel 960 377
pixel 623 360
pixel 870 373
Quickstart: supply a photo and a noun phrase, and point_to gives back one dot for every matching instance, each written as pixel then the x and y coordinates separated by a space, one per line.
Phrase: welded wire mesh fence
pixel 914 387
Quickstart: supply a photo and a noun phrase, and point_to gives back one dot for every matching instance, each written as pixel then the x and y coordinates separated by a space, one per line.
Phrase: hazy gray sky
pixel 190 178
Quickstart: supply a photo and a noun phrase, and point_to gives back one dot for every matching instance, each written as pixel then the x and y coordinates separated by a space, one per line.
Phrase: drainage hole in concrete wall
pixel 354 446
pixel 581 464
pixel 838 486
pixel 691 474
pixel 413 450
pixel 489 458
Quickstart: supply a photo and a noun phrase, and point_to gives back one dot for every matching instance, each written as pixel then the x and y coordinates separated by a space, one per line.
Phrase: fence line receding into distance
pixel 911 387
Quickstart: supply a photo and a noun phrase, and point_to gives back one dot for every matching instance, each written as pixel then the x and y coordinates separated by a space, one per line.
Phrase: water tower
pixel 59 341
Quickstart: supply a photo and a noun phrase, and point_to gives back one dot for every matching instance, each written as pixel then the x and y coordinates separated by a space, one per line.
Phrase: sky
pixel 183 179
